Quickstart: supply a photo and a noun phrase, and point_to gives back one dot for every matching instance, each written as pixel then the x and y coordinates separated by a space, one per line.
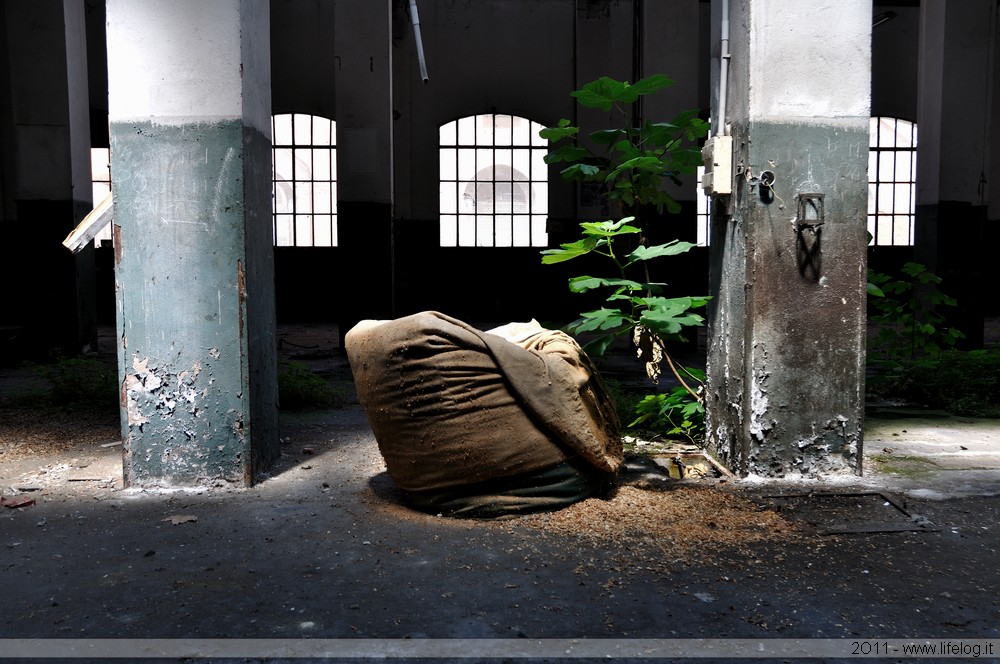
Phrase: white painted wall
pixel 200 39
pixel 801 69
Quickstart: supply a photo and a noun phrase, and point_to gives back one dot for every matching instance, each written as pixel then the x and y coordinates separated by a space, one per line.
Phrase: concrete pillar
pixel 785 390
pixel 189 100
pixel 956 71
pixel 50 185
pixel 363 42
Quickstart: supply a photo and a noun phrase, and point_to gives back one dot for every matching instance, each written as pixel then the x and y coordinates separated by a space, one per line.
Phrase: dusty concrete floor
pixel 323 549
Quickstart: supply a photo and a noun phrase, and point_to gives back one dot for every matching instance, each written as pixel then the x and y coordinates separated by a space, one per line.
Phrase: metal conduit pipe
pixel 723 71
pixel 420 42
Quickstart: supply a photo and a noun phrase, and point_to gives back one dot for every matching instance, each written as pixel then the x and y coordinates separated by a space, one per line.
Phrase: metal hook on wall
pixel 809 222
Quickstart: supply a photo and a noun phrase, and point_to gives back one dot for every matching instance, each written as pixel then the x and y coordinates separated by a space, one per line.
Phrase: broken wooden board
pixel 92 224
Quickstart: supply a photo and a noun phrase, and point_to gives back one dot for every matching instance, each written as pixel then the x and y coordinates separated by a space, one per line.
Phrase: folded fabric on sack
pixel 484 424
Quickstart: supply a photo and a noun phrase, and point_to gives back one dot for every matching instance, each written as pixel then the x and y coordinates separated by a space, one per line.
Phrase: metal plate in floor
pixel 849 513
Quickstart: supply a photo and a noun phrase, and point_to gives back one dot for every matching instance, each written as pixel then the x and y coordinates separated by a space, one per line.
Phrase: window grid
pixel 892 181
pixel 493 182
pixel 305 180
pixel 703 205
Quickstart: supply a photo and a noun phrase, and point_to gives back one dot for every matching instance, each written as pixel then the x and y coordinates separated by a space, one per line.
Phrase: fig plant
pixel 632 165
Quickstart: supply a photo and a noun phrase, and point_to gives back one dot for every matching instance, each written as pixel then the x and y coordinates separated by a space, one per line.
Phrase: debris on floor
pixel 178 519
pixel 17 501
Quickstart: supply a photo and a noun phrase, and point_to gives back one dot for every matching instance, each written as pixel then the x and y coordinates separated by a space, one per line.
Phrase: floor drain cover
pixel 849 513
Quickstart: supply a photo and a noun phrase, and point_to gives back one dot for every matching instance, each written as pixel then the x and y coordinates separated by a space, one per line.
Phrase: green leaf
pixel 673 207
pixel 627 150
pixel 560 132
pixel 657 133
pixel 580 171
pixel 584 284
pixel 599 346
pixel 609 228
pixel 672 305
pixel 669 317
pixel 697 374
pixel 697 129
pixel 606 136
pixel 698 302
pixel 603 93
pixel 874 290
pixel 691 409
pixel 644 163
pixel 566 153
pixel 601 319
pixel 672 248
pixel 652 83
pixel 913 269
pixel 570 250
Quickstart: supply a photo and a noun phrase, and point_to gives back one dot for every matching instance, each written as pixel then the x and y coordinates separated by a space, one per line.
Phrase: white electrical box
pixel 718 157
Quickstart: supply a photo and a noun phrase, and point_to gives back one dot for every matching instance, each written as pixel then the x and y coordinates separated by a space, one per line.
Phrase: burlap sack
pixel 463 416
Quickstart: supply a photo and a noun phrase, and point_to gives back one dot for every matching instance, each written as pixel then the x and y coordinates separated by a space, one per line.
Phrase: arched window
pixel 892 180
pixel 305 180
pixel 494 182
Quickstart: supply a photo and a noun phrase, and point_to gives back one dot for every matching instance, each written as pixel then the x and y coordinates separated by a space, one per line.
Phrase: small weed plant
pixel 906 311
pixel 81 383
pixel 961 382
pixel 299 389
pixel 912 353
pixel 674 413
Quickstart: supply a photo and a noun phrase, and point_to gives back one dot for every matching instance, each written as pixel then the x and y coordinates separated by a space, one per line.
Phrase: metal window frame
pixel 880 151
pixel 305 143
pixel 481 237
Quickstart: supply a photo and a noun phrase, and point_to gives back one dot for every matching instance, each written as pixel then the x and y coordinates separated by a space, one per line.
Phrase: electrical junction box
pixel 718 157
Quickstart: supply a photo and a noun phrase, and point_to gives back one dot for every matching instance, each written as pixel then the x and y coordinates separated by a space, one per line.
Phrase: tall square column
pixel 189 103
pixel 786 362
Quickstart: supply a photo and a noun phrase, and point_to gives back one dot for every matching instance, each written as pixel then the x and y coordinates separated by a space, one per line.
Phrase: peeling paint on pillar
pixel 786 356
pixel 181 283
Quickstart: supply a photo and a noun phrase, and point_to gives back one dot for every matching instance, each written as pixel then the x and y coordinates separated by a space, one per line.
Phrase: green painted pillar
pixel 785 393
pixel 189 101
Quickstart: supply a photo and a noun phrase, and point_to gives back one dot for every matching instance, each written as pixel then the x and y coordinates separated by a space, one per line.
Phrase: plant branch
pixel 673 367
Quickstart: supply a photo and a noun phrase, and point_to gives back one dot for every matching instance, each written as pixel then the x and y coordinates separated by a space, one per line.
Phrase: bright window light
pixel 892 181
pixel 702 201
pixel 304 149
pixel 494 182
